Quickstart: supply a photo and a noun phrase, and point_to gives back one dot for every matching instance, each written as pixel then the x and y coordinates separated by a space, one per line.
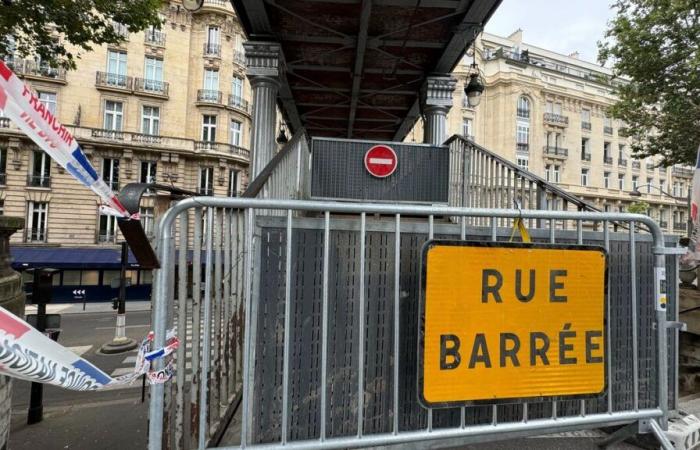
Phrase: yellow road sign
pixel 511 321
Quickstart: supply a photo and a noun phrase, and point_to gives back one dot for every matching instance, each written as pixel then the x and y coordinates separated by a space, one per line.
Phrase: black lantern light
pixel 475 87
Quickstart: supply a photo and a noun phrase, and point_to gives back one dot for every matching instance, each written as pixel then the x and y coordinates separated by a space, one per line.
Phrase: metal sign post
pixel 121 343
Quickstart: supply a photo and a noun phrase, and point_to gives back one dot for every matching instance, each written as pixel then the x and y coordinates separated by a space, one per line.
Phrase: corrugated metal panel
pixel 338 172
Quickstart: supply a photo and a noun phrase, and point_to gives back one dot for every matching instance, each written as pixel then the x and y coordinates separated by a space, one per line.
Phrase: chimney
pixel 516 36
pixel 574 55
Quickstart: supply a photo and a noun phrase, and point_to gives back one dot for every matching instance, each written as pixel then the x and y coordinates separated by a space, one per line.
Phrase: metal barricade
pixel 284 325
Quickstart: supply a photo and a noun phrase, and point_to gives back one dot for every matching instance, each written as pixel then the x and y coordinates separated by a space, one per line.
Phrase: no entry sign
pixel 381 161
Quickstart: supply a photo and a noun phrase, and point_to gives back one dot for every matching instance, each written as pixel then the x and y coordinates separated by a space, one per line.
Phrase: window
pixel 557 174
pixel 208 128
pixel 153 74
pixel 650 182
pixel 635 182
pixel 41 170
pixel 211 80
pixel 147 220
pixel 213 44
pixel 523 161
pixel 676 189
pixel 621 181
pixel 547 172
pixel 3 166
pixel 108 229
pixel 584 177
pixel 116 68
pixel 621 152
pixel 2 207
pixel 552 108
pixel 113 115
pixel 37 221
pixel 606 151
pixel 606 208
pixel 523 111
pixel 467 127
pixel 235 133
pixel 232 183
pixel 150 120
pixel 606 180
pixel 662 184
pixel 553 139
pixel 522 136
pixel 237 91
pixel 206 181
pixel 110 172
pixel 49 100
pixel 586 116
pixel 148 172
pixel 585 149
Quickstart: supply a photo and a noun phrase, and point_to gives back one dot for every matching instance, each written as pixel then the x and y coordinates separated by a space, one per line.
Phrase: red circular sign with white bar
pixel 381 161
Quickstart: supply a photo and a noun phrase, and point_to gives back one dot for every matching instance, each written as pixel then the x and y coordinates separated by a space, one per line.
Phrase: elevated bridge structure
pixel 300 312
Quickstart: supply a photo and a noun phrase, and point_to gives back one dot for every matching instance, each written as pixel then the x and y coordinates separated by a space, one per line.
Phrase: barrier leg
pixel 620 435
pixel 656 430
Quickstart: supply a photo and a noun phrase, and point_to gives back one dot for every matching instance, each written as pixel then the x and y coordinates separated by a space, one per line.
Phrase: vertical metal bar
pixel 606 243
pixel 226 303
pixel 247 335
pixel 397 267
pixel 431 234
pixel 324 324
pixel 287 326
pixel 206 344
pixel 633 288
pixel 661 332
pixel 493 229
pixel 196 320
pixel 215 325
pixel 181 332
pixel 579 231
pixel 494 415
pixel 552 224
pixel 361 332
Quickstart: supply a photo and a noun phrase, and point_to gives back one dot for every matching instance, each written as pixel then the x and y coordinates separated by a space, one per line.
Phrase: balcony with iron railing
pixel 219 3
pixel 106 237
pixel 586 126
pixel 154 37
pixel 682 172
pixel 146 138
pixel 608 130
pixel 36 235
pixel 663 223
pixel 636 165
pixel 220 147
pixel 238 103
pixel 556 119
pixel 32 69
pixel 622 162
pixel 151 87
pixel 212 49
pixel 113 81
pixel 113 184
pixel 239 57
pixel 586 157
pixel 607 159
pixel 112 135
pixel 4 122
pixel 680 226
pixel 210 97
pixel 206 191
pixel 556 152
pixel 39 181
pixel 121 29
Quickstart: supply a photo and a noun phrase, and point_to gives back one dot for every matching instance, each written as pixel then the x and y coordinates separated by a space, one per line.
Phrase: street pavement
pixel 112 419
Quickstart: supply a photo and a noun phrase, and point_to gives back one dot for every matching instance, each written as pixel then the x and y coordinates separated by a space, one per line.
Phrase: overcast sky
pixel 564 26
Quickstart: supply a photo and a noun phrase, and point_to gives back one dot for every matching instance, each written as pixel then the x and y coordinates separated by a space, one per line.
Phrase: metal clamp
pixel 682 326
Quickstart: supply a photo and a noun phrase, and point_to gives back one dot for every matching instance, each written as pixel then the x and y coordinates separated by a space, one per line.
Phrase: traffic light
pixel 115 303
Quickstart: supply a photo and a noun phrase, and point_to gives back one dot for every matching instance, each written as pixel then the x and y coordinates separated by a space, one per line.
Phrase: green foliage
pixel 640 207
pixel 656 45
pixel 59 30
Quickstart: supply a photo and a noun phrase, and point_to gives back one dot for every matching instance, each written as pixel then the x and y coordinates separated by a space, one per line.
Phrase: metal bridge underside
pixel 354 68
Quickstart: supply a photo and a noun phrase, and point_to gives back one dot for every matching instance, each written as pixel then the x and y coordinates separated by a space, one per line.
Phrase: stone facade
pixel 11 298
pixel 170 106
pixel 547 112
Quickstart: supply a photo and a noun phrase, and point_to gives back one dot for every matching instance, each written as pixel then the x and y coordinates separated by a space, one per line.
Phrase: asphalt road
pixel 107 420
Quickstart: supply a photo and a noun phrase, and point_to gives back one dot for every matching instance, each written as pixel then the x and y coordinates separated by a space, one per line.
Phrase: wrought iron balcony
pixel 222 148
pixel 622 162
pixel 29 68
pixel 155 37
pixel 523 113
pixel 151 87
pixel 36 235
pixel 113 185
pixel 106 237
pixel 524 148
pixel 608 130
pixel 222 3
pixel 42 181
pixel 682 172
pixel 121 29
pixel 636 165
pixel 116 135
pixel 146 138
pixel 4 122
pixel 556 119
pixel 586 157
pixel 209 96
pixel 212 49
pixel 237 102
pixel 556 151
pixel 206 191
pixel 586 126
pixel 680 226
pixel 113 80
pixel 239 57
pixel 663 223
pixel 607 159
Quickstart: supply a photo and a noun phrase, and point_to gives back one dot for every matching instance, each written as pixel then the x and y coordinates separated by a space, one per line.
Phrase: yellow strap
pixel 519 225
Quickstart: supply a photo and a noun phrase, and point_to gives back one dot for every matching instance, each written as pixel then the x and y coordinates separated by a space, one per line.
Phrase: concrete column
pixel 436 99
pixel 263 61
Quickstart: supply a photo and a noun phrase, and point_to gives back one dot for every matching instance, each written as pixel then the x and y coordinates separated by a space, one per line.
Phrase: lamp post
pixel 637 193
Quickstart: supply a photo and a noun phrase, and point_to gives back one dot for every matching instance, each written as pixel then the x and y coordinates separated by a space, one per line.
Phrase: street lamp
pixel 475 87
pixel 637 193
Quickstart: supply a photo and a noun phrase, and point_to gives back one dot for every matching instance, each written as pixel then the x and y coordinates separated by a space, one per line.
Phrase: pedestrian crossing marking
pixel 80 350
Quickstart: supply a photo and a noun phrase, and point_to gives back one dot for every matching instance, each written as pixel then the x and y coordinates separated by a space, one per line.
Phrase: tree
pixel 655 45
pixel 640 207
pixel 58 30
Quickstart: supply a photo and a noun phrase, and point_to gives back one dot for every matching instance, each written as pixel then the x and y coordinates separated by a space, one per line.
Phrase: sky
pixel 563 26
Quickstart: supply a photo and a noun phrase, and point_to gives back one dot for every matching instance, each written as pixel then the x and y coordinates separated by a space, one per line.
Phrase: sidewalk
pixel 99 307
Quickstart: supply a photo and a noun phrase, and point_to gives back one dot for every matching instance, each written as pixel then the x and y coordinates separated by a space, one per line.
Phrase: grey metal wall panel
pixel 338 172
pixel 307 247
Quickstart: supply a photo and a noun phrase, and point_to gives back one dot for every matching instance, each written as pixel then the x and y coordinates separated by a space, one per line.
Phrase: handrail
pixel 554 189
pixel 258 183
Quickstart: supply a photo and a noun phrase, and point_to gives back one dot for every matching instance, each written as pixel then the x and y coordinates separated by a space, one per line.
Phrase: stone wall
pixel 11 298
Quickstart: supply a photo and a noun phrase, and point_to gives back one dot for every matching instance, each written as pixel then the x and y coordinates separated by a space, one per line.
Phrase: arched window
pixel 523 108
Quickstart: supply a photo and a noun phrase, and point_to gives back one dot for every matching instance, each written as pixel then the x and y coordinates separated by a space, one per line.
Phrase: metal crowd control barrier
pixel 280 318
